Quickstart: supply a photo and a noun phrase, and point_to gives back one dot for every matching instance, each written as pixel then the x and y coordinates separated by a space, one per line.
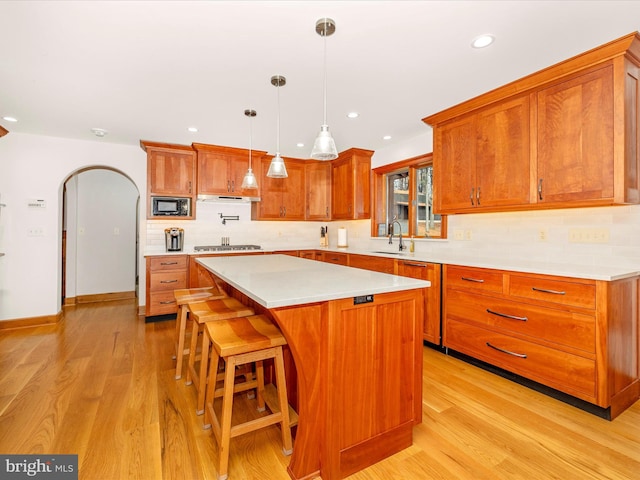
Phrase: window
pixel 403 193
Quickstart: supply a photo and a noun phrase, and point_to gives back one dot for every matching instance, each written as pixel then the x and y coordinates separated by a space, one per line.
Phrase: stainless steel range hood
pixel 226 199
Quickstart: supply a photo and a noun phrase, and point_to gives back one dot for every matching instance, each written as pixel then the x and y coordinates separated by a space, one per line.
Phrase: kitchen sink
pixel 389 253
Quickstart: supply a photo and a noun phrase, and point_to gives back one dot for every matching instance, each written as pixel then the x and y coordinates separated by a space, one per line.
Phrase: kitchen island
pixel 356 340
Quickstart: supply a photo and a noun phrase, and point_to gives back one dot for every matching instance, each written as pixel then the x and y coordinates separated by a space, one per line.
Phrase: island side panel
pixel 374 377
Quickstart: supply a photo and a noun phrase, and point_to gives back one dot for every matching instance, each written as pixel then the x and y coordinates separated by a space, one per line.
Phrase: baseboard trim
pixel 105 297
pixel 31 321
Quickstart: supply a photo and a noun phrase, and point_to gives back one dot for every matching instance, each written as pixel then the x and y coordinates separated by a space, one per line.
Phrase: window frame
pixel 379 214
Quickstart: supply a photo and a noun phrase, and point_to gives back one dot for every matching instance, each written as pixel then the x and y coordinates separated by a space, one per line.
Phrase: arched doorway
pixel 100 244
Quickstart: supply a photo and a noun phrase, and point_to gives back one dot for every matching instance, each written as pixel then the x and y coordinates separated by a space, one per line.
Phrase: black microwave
pixel 170 207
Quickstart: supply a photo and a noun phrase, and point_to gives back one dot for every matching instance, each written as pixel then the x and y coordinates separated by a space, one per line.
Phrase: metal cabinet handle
pixel 168 302
pixel 327 211
pixel 228 186
pixel 554 292
pixel 471 196
pixel 169 263
pixel 519 355
pixel 190 187
pixel 504 315
pixel 168 281
pixel 540 189
pixel 475 280
pixel 411 264
pixel 478 196
pixel 284 210
pixel 233 185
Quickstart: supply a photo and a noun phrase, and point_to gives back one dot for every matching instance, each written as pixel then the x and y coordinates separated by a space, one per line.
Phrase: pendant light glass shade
pixel 249 181
pixel 324 148
pixel 277 168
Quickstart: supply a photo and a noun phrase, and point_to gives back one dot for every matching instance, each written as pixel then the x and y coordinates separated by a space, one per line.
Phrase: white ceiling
pixel 150 69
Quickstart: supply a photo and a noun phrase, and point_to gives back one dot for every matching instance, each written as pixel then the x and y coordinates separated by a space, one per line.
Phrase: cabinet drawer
pixel 370 262
pixel 571 374
pixel 475 279
pixel 162 303
pixel 571 329
pixel 561 292
pixel 176 262
pixel 337 258
pixel 163 281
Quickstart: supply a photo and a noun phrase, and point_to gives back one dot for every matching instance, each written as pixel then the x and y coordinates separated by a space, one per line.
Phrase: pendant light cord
pixel 278 121
pixel 325 75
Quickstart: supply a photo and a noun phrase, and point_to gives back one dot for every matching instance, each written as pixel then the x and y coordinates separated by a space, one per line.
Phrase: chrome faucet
pixel 401 247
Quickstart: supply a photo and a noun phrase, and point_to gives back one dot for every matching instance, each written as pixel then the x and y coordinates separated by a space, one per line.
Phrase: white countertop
pixel 282 280
pixel 591 272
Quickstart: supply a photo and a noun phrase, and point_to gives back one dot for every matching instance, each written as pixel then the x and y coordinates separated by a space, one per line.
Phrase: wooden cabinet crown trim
pixel 144 144
pixel 3 131
pixel 628 45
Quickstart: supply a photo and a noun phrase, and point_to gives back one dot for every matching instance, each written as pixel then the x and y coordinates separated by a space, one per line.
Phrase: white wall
pixel 105 233
pixel 33 166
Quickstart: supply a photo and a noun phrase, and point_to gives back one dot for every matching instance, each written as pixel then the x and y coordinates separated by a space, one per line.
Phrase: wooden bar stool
pixel 242 341
pixel 183 297
pixel 202 313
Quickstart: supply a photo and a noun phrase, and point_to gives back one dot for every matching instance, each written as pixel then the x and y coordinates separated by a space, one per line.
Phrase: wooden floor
pixel 101 385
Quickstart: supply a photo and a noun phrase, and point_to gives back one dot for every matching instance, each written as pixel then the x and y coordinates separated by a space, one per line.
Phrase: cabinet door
pixel 318 190
pixel 237 168
pixel 454 166
pixel 213 173
pixel 342 189
pixel 293 188
pixel 502 155
pixel 171 172
pixel 575 139
pixel 432 273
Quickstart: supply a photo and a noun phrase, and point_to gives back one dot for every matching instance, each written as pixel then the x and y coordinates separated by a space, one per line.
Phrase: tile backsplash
pixel 556 236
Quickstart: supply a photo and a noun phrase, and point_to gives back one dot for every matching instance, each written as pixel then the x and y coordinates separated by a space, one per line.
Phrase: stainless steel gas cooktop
pixel 223 248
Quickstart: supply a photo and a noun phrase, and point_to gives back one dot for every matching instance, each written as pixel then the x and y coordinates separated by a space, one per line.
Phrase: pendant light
pixel 249 181
pixel 277 168
pixel 324 148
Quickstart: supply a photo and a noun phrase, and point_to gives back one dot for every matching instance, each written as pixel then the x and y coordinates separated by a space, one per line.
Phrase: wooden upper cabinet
pixel 566 136
pixel 482 160
pixel 171 169
pixel 351 185
pixel 318 190
pixel 281 198
pixel 576 139
pixel 222 169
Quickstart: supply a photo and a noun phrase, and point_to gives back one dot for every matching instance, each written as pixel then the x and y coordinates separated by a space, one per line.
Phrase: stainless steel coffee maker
pixel 174 238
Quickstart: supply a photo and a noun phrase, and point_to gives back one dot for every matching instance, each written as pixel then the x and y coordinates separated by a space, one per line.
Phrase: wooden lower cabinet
pixel 432 272
pixel 575 335
pixel 164 274
pixel 371 262
pixel 336 257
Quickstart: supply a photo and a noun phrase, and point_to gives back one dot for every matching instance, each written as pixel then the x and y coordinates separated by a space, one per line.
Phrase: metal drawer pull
pixel 168 302
pixel 168 281
pixel 512 317
pixel 555 292
pixel 469 279
pixel 471 196
pixel 409 264
pixel 169 263
pixel 540 189
pixel 519 355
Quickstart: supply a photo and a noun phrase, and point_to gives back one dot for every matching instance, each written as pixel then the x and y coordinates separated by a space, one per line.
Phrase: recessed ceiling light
pixel 353 114
pixel 192 129
pixel 387 137
pixel 99 132
pixel 10 119
pixel 299 144
pixel 482 41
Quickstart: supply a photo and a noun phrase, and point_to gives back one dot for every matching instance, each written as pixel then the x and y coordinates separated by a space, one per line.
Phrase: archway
pixel 100 226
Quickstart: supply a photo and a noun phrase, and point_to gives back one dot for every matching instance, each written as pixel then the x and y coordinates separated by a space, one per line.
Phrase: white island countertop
pixel 282 280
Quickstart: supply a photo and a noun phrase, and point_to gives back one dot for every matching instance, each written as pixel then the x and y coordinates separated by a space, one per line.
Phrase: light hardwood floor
pixel 101 385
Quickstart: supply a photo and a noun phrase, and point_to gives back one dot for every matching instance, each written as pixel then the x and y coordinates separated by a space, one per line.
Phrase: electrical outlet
pixel 458 234
pixel 543 235
pixel 116 231
pixel 468 235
